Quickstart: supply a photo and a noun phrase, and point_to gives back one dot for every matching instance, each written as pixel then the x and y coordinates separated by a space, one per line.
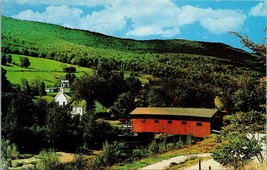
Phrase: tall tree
pixel 9 58
pixel 258 49
pixel 237 152
pixel 57 125
pixel 25 87
pixel 111 88
pixel 123 105
pixel 240 148
pixel 25 62
pixel 87 88
pixel 3 59
pixel 96 132
pixel 133 84
pixel 37 87
pixel 239 126
pixel 5 84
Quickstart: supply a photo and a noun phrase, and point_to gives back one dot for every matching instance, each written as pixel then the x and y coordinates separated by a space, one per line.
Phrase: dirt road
pixel 166 163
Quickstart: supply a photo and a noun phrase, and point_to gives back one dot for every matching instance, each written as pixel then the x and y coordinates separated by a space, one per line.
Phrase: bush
pixel 112 153
pixel 153 148
pixel 9 151
pixel 79 163
pixel 138 153
pixel 25 156
pixel 170 146
pixel 25 62
pixel 162 146
pixel 238 151
pixel 70 69
pixel 48 160
pixel 189 139
pixel 179 144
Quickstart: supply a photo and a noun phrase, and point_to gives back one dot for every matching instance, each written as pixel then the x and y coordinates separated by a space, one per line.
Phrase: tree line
pixel 34 124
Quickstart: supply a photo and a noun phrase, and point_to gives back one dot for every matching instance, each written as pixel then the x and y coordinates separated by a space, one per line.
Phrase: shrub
pixel 25 156
pixel 153 148
pixel 25 62
pixel 79 163
pixel 9 151
pixel 48 160
pixel 238 151
pixel 162 146
pixel 189 139
pixel 112 153
pixel 179 144
pixel 70 69
pixel 138 153
pixel 170 146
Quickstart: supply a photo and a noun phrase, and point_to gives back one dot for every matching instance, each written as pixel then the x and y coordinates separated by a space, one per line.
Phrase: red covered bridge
pixel 180 121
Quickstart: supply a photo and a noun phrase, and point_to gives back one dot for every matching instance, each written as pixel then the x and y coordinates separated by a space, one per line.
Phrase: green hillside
pixel 202 62
pixel 40 38
pixel 49 71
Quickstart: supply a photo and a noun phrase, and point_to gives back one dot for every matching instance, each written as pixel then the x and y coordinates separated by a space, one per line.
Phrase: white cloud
pixel 258 10
pixel 62 15
pixel 222 21
pixel 162 17
pixel 88 3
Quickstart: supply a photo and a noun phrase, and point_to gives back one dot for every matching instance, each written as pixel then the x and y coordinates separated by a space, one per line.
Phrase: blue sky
pixel 150 19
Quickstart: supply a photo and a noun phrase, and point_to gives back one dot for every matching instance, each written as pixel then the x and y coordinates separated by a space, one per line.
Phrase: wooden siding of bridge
pixel 141 125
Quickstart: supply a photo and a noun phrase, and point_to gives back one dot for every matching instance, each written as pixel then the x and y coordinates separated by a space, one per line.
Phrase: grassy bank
pixel 205 146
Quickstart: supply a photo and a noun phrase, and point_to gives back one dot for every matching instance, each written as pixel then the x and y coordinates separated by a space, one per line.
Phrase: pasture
pixel 50 71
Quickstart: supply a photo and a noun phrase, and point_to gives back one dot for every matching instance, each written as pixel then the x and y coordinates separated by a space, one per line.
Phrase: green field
pixel 50 71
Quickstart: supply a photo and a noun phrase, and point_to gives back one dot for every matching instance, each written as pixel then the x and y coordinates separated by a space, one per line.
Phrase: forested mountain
pixel 190 73
pixel 47 40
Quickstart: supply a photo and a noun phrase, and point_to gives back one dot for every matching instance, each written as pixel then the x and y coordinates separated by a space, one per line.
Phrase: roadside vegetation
pixel 179 148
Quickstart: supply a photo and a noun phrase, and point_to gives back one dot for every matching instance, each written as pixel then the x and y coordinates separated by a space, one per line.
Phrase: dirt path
pixel 206 164
pixel 166 163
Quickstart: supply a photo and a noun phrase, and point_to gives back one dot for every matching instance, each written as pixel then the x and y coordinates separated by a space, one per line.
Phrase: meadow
pixel 50 71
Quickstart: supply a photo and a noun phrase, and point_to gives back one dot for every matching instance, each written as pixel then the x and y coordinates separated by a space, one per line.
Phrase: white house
pixel 78 107
pixel 62 99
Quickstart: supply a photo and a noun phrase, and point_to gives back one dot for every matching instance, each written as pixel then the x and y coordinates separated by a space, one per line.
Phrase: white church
pixel 62 99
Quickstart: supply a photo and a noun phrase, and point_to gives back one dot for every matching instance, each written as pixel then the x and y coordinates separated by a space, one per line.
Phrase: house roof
pixel 67 96
pixel 77 103
pixel 191 112
pixel 53 88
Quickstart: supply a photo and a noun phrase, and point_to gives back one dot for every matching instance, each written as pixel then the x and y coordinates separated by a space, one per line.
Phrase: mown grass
pixel 50 71
pixel 206 146
pixel 48 78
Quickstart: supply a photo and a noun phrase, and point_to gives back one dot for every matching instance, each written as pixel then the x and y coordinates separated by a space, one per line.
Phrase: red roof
pixel 192 112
